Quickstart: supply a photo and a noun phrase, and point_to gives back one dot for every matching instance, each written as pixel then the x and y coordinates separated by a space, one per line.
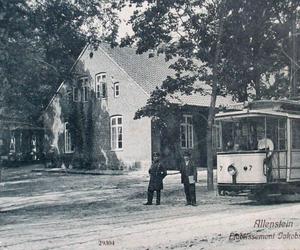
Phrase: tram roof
pixel 281 108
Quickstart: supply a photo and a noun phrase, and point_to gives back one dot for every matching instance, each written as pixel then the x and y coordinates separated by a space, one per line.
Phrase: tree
pixel 252 44
pixel 189 33
pixel 39 42
pixel 231 46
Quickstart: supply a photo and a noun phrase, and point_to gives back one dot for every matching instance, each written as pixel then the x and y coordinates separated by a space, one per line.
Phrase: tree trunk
pixel 209 141
pixel 257 87
pixel 212 107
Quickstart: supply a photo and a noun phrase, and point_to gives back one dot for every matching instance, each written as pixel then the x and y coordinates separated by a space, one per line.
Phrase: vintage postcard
pixel 141 124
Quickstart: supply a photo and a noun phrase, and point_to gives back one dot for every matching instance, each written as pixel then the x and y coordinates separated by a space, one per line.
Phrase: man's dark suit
pixel 189 171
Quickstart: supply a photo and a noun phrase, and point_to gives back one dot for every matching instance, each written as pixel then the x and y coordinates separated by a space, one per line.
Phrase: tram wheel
pixel 261 196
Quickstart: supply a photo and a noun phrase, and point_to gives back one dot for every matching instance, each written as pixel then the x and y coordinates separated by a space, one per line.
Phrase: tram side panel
pixel 249 168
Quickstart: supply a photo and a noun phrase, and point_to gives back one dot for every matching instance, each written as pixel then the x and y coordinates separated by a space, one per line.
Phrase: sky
pixel 124 16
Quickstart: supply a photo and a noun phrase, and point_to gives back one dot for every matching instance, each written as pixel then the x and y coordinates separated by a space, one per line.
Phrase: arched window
pixel 116 133
pixel 116 89
pixel 81 91
pixel 101 86
pixel 84 83
pixel 68 139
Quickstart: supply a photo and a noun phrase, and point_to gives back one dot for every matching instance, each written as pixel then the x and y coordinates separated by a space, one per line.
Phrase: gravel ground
pixel 63 211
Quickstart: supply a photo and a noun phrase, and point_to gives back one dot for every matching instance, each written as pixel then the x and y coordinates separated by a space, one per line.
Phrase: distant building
pixel 20 141
pixel 90 118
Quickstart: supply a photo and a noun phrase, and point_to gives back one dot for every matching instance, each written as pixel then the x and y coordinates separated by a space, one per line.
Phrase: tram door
pixel 294 169
pixel 277 131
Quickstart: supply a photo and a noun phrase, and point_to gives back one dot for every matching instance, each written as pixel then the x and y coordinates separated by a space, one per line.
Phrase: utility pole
pixel 294 56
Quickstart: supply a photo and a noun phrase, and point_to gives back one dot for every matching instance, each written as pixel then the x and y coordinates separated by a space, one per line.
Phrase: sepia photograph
pixel 149 124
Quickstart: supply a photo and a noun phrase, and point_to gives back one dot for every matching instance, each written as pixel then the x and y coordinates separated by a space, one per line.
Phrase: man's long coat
pixel 157 174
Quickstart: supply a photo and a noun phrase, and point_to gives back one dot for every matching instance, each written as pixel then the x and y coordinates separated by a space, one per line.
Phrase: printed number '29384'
pixel 106 242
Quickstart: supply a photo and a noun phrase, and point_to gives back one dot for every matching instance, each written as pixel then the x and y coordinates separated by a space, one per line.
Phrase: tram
pixel 259 149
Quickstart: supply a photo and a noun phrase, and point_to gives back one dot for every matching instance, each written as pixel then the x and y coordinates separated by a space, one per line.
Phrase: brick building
pixel 90 118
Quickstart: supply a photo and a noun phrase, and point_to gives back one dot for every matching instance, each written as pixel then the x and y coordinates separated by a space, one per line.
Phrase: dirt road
pixel 61 211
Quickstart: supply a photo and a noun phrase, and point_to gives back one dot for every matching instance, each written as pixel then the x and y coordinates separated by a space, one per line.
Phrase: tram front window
pixel 250 133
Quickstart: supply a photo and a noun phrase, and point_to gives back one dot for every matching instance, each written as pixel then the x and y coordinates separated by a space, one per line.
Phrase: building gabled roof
pixel 146 71
pixel 150 71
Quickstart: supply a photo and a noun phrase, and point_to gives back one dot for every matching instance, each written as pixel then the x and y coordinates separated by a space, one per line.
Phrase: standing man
pixel 188 172
pixel 157 174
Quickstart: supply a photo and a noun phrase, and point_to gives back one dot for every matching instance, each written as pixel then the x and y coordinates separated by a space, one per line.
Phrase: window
pixel 104 90
pixel 85 93
pixel 98 92
pixel 81 93
pixel 12 144
pixel 101 86
pixel 76 94
pixel 282 134
pixel 70 95
pixel 83 82
pixel 68 139
pixel 217 136
pixel 116 89
pixel 247 133
pixel 295 134
pixel 186 132
pixel 33 143
pixel 116 132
